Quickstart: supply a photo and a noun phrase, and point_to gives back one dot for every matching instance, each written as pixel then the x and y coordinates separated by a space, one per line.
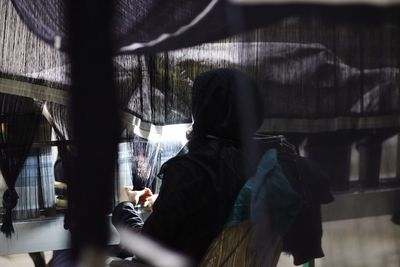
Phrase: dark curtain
pixel 59 120
pixel 44 163
pixel 161 94
pixel 319 68
pixel 19 121
pixel 61 123
pixel 48 19
pixel 320 84
pixel 137 28
pixel 35 182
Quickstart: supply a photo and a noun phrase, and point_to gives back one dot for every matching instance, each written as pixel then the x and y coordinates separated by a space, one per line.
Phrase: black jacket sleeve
pixel 125 215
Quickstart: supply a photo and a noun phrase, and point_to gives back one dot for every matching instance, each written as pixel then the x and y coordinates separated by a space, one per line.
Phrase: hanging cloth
pixel 145 155
pixel 19 119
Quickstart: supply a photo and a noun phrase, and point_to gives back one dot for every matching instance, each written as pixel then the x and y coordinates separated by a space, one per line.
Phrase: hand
pixel 135 196
pixel 150 201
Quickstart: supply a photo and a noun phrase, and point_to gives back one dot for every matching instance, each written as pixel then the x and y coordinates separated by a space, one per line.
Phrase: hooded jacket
pixel 199 188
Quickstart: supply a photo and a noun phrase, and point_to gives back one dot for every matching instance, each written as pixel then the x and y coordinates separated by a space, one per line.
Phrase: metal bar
pixel 362 204
pixel 44 234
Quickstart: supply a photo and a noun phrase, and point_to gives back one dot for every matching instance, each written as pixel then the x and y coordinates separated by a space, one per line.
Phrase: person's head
pixel 226 103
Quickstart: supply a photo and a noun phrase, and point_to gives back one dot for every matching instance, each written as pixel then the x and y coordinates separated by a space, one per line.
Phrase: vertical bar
pixel 95 122
pixel 166 88
pixel 370 151
pixel 39 179
pixel 362 74
pixel 152 70
pixel 398 158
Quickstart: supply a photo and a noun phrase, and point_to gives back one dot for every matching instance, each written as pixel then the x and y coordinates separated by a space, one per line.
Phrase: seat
pixel 237 246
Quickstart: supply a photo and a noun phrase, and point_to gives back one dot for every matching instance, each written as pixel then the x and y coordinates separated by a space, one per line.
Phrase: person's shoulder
pixel 177 165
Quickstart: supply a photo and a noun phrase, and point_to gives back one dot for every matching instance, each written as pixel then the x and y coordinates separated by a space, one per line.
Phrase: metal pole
pixel 95 122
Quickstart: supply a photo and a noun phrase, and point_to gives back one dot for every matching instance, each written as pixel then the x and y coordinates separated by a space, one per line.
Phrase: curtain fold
pixel 48 19
pixel 19 121
pixel 137 27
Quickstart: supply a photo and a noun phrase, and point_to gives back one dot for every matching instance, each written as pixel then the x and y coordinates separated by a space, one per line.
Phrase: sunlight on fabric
pixel 175 132
pixel 151 132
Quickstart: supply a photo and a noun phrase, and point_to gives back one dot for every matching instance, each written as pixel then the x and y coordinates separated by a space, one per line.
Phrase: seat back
pixel 237 246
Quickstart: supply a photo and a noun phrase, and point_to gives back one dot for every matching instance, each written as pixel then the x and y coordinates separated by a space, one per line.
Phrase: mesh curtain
pixel 45 171
pixel 139 159
pixel 47 19
pixel 322 66
pixel 58 116
pixel 138 162
pixel 313 80
pixel 145 162
pixel 19 122
pixel 35 183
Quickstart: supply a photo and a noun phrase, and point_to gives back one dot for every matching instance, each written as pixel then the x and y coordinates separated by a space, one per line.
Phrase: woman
pixel 199 188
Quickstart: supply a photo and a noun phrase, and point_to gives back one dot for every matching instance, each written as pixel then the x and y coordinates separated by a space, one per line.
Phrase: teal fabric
pixel 241 209
pixel 267 191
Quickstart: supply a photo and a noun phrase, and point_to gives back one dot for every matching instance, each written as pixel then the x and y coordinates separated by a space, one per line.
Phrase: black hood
pixel 226 104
